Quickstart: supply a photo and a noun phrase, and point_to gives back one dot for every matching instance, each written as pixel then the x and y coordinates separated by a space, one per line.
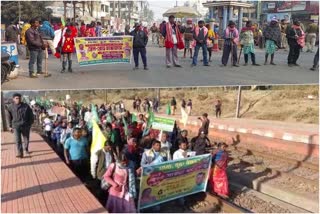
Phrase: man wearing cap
pixel 140 40
pixel 173 42
pixel 272 36
pixel 188 37
pixel 20 122
pixel 231 39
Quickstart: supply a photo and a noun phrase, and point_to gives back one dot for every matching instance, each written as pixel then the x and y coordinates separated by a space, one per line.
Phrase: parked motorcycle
pixel 7 66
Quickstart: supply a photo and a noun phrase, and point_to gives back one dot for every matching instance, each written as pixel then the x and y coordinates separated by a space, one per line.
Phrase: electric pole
pixel 238 103
pixel 19 11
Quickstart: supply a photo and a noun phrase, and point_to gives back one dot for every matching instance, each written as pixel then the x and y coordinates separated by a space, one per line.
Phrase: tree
pixel 148 14
pixel 29 10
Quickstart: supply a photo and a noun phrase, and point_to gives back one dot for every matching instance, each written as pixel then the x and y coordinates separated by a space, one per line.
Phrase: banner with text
pixel 103 50
pixel 163 124
pixel 173 179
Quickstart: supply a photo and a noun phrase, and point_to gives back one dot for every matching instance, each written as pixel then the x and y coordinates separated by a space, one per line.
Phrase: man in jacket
pixel 47 34
pixel 200 36
pixel 140 40
pixel 36 47
pixel 20 122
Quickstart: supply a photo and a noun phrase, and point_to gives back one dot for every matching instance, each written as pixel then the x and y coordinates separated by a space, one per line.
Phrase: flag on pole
pixel 125 126
pixel 63 22
pixel 184 115
pixel 168 110
pixel 98 141
pixel 95 117
pixel 150 119
pixel 133 118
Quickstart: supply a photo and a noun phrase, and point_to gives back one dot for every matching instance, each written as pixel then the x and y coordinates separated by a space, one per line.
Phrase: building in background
pixel 305 11
pixel 198 6
pixel 224 11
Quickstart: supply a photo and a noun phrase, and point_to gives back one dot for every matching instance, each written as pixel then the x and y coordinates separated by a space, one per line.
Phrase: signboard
pixel 315 18
pixel 290 6
pixel 271 5
pixel 10 48
pixel 173 179
pixel 103 50
pixel 279 16
pixel 163 124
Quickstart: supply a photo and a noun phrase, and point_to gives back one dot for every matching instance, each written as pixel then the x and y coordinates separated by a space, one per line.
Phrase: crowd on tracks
pixel 131 143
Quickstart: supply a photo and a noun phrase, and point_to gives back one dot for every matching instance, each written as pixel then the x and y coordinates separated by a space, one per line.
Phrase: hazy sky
pixel 160 6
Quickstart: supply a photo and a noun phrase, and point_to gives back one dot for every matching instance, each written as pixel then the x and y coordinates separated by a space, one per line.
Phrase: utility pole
pixel 238 103
pixel 106 96
pixel 119 14
pixel 19 6
pixel 130 6
pixel 177 3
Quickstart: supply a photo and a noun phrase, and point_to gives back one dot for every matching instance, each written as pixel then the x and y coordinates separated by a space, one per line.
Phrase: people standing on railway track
pixel 173 41
pixel 247 43
pixel 173 106
pixel 218 108
pixel 20 121
pixel 315 60
pixel 200 143
pixel 123 188
pixel 76 152
pixel 296 41
pixel 272 35
pixel 205 122
pixel 219 179
pixel 231 39
pixel 189 107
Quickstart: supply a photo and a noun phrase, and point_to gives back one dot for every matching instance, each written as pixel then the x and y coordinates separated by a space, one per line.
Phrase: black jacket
pixel 20 115
pixel 34 39
pixel 199 145
pixel 140 39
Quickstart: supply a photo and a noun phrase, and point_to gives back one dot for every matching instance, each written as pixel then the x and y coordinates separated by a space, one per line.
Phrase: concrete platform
pixel 41 182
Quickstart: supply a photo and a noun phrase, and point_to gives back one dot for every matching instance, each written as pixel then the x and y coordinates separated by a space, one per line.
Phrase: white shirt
pixel 88 116
pixel 47 124
pixel 179 154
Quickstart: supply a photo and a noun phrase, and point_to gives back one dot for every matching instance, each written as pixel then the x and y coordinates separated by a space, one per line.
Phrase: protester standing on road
pixel 12 33
pixel 284 41
pixel 67 47
pixel 99 29
pixel 25 27
pixel 296 41
pixel 247 43
pixel 166 145
pixel 231 38
pixel 47 34
pixel 140 41
pixel 188 37
pixel 219 179
pixel 36 47
pixel 173 42
pixel 155 34
pixel 311 36
pixel 173 105
pixel 20 121
pixel 200 36
pixel 315 61
pixel 210 40
pixel 161 38
pixel 272 35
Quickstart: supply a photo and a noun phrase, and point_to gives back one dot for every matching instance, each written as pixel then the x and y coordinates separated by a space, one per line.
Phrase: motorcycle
pixel 7 66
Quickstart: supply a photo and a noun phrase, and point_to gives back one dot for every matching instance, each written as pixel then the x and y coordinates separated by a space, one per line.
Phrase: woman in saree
pixel 219 179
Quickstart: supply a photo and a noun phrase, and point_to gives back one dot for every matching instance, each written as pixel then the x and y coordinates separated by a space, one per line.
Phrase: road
pixel 122 75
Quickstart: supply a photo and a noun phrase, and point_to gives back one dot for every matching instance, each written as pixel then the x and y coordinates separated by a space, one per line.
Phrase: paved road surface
pixel 122 75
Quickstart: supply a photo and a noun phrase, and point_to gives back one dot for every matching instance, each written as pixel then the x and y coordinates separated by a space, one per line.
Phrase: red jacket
pixel 68 45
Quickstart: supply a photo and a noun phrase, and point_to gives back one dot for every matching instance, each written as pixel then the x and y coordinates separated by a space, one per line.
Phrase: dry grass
pixel 280 103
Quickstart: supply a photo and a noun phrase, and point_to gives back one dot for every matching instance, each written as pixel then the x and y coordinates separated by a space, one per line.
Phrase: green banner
pixel 164 124
pixel 173 179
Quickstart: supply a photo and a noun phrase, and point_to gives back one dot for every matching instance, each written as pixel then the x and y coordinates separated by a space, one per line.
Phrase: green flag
pixel 125 126
pixel 150 119
pixel 133 118
pixel 95 116
pixel 168 110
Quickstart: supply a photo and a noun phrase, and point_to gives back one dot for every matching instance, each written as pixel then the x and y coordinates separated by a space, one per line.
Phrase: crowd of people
pixel 38 35
pixel 130 143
